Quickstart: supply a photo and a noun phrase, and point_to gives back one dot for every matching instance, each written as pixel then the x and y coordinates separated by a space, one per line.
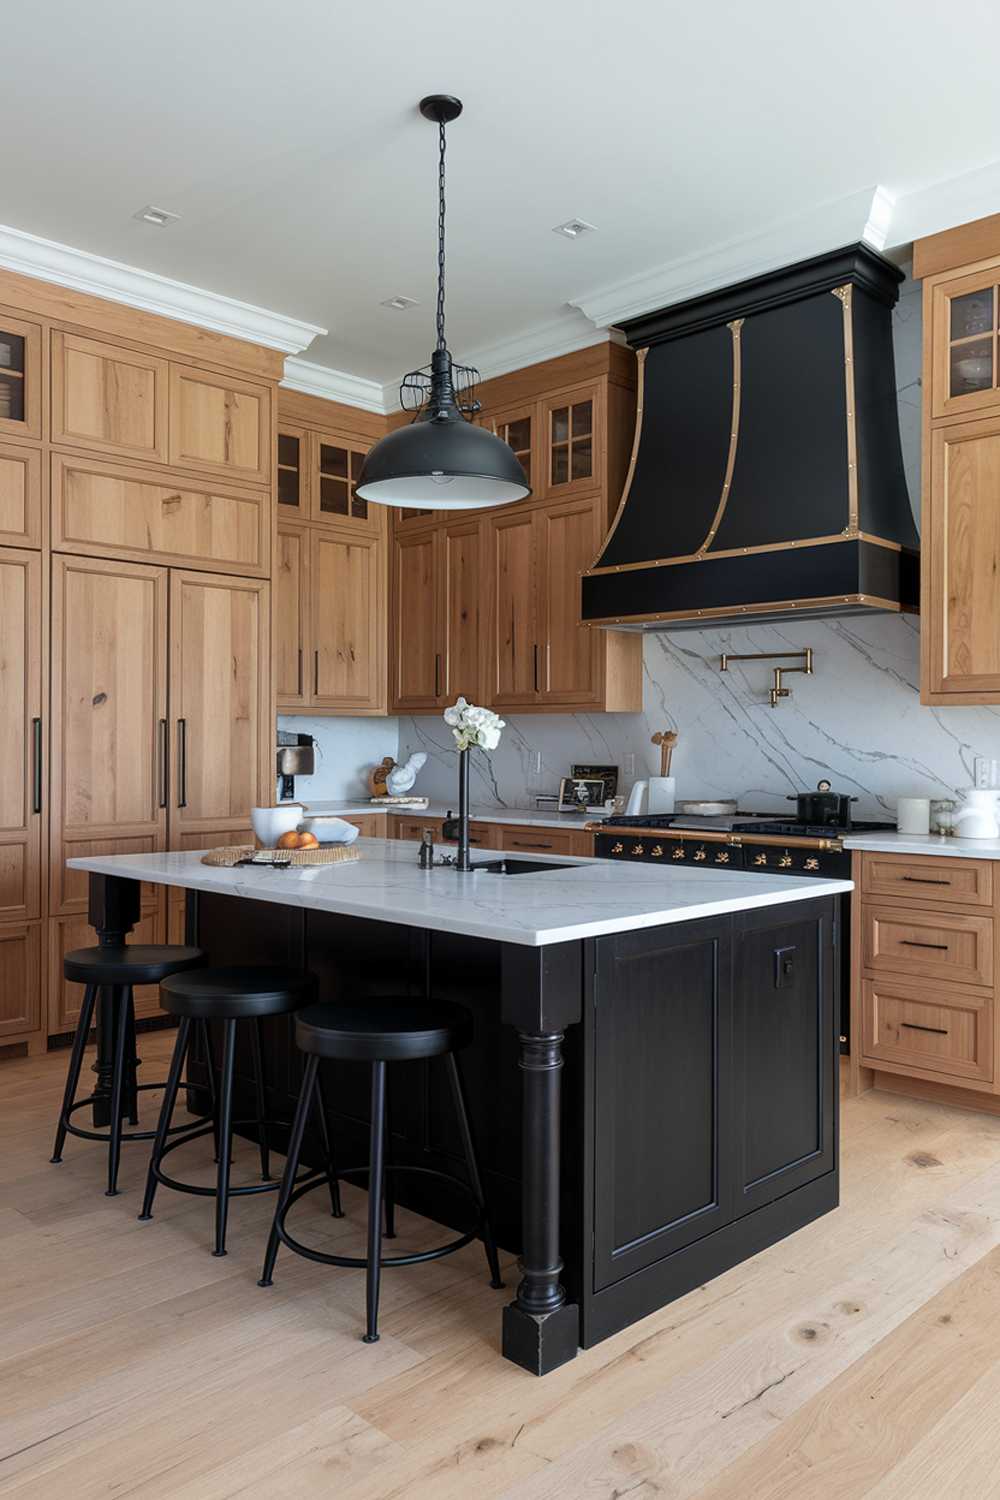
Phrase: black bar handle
pixel 298 691
pixel 912 943
pixel 912 1026
pixel 182 762
pixel 534 664
pixel 36 765
pixel 162 731
pixel 924 880
pixel 316 672
pixel 437 674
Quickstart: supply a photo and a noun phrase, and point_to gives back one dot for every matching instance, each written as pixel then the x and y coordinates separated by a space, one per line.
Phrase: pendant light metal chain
pixel 440 297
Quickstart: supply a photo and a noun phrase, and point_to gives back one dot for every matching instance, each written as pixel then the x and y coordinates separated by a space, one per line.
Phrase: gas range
pixel 755 842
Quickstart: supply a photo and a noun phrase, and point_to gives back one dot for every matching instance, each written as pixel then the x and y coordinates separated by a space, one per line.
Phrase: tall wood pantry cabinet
pixel 960 521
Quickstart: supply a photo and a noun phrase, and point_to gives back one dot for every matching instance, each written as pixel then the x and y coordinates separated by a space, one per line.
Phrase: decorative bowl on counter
pixel 329 829
pixel 269 823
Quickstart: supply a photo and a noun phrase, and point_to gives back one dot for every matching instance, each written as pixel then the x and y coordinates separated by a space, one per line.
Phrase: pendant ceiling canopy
pixel 441 461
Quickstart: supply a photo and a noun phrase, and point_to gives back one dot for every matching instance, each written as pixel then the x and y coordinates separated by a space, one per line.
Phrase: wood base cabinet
pixel 21 985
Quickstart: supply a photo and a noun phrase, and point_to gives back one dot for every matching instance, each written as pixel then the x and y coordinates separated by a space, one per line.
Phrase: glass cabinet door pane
pixel 972 313
pixel 333 496
pixel 582 465
pixel 560 424
pixel 560 464
pixel 518 434
pixel 288 487
pixel 333 461
pixel 11 352
pixel 288 450
pixel 583 419
pixel 359 508
pixel 971 367
pixel 11 397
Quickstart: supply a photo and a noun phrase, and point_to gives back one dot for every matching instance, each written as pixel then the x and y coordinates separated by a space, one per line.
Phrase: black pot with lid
pixel 823 807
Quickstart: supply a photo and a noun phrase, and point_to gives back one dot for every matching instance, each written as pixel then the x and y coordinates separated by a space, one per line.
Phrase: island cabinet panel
pixel 663 1094
pixel 108 397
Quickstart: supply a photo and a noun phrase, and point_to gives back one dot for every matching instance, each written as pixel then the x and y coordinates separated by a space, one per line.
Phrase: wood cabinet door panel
pixel 930 1027
pixel 962 527
pixel 109 710
pixel 21 726
pixel 290 583
pixel 961 882
pixel 416 660
pixel 20 496
pixel 20 378
pixel 107 397
pixel 570 650
pixel 65 996
pixel 220 424
pixel 461 589
pixel 111 510
pixel 514 664
pixel 219 702
pixel 928 944
pixel 346 622
pixel 20 979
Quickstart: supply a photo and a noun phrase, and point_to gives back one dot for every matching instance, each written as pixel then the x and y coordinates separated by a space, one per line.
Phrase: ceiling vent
pixel 161 217
pixel 574 228
pixel 399 304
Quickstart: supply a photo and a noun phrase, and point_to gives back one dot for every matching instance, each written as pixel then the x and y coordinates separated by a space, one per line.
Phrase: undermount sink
pixel 508 866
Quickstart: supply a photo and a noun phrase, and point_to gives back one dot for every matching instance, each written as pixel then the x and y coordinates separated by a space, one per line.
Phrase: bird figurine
pixel 400 779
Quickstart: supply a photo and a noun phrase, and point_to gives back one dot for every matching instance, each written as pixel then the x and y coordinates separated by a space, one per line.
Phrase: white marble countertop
pixel 590 898
pixel 533 816
pixel 924 843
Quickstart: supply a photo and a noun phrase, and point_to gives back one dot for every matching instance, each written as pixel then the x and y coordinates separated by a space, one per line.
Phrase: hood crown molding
pixel 82 271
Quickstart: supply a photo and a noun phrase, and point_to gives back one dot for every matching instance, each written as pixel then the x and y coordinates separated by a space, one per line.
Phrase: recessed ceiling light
pixel 399 304
pixel 161 217
pixel 573 228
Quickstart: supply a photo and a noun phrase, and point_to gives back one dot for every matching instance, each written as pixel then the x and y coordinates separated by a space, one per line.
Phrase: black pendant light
pixel 441 461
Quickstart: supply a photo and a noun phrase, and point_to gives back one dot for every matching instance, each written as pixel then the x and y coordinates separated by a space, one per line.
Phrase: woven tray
pixel 238 854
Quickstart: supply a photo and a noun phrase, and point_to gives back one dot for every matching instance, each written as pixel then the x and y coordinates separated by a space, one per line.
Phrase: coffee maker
pixel 296 756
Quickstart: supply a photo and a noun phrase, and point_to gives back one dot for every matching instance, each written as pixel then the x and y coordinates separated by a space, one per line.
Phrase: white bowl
pixel 330 829
pixel 269 823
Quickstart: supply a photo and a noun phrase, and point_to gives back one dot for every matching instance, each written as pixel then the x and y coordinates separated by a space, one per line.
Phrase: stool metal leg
pixel 472 1163
pixel 131 1062
pixel 389 1191
pixel 225 1136
pixel 206 1042
pixel 120 993
pixel 258 1073
pixel 376 1179
pixel 75 1064
pixel 166 1111
pixel 291 1166
pixel 336 1208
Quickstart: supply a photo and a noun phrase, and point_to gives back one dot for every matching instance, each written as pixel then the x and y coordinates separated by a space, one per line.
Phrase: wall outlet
pixel 985 772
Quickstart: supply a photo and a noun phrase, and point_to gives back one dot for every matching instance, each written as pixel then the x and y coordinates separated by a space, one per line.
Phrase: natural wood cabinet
pixel 928 1026
pixel 220 723
pixel 293 472
pixel 290 583
pixel 572 428
pixel 21 735
pixel 569 536
pixel 347 616
pixel 20 496
pixel 512 545
pixel 20 377
pixel 438 595
pixel 21 984
pixel 220 424
pixel 416 660
pixel 109 397
pixel 111 510
pixel 335 463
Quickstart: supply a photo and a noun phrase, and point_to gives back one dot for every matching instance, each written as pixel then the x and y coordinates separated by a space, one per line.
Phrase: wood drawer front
pixel 964 882
pixel 370 825
pixel 928 1027
pixel 930 945
pixel 108 397
pixel 528 839
pixel 115 511
pixel 481 835
pixel 20 496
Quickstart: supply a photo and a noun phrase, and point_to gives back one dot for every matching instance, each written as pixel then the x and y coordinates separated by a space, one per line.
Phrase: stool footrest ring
pixel 194 1133
pixel 134 1135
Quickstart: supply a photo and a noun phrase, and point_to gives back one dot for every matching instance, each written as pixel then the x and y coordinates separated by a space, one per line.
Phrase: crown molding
pixel 334 385
pixel 48 260
pixel 862 216
pixel 946 204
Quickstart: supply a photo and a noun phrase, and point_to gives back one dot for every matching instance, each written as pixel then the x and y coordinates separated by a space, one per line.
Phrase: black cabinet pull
pixel 924 880
pixel 912 943
pixel 437 674
pixel 182 763
pixel 534 664
pixel 298 691
pixel 162 728
pixel 529 844
pixel 316 672
pixel 36 765
pixel 912 1026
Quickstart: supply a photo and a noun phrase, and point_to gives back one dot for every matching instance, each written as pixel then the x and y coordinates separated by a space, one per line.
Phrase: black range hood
pixel 766 477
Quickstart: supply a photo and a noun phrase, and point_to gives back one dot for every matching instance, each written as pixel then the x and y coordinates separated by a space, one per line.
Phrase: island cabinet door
pixel 663 1091
pixel 786 1063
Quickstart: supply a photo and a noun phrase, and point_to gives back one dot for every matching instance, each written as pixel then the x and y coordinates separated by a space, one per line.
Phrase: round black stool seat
pixel 390 1029
pixel 237 993
pixel 132 963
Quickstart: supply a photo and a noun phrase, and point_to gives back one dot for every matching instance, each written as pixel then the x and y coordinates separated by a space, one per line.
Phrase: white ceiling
pixel 287 138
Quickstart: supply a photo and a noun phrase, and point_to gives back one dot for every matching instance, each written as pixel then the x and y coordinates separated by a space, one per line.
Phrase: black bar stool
pixel 379 1031
pixel 229 995
pixel 116 970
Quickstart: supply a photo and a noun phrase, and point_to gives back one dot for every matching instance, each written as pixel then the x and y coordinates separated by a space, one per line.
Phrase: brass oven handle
pixel 912 943
pixel 36 765
pixel 182 763
pixel 912 1026
pixel 162 736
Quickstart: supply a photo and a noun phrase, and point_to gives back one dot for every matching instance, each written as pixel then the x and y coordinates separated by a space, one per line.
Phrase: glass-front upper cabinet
pixel 517 428
pixel 572 441
pixel 292 487
pixel 20 378
pixel 966 328
pixel 336 469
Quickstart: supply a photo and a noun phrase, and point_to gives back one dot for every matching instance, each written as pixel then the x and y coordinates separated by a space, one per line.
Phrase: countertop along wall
pixel 858 721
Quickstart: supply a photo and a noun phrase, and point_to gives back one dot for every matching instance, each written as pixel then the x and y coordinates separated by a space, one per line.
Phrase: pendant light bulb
pixel 441 450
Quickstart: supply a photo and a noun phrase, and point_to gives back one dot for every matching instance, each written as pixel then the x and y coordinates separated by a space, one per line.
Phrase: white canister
pixel 661 794
pixel 913 815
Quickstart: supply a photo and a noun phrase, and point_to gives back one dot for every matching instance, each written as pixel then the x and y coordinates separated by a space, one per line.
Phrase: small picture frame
pixel 579 793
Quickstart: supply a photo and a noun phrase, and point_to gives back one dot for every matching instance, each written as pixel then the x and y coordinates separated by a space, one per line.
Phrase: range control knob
pixel 638 849
pixel 700 854
pixel 678 852
pixel 722 858
pixel 785 861
pixel 811 863
pixel 618 848
pixel 760 859
pixel 657 851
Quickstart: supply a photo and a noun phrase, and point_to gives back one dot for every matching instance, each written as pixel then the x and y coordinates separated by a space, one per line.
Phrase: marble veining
pixel 927 843
pixel 589 898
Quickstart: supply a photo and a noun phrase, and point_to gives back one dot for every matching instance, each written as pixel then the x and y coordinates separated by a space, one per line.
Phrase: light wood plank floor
pixel 861 1357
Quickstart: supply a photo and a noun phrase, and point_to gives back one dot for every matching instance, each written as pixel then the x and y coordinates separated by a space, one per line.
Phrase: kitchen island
pixel 653 1078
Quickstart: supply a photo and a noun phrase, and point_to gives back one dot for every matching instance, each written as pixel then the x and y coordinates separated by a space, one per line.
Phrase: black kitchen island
pixel 653 1080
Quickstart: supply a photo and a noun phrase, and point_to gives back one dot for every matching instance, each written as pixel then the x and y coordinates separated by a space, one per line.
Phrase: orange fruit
pixel 308 841
pixel 290 840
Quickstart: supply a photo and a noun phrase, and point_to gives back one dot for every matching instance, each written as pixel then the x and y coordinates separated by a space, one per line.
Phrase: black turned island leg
pixel 541 995
pixel 113 912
